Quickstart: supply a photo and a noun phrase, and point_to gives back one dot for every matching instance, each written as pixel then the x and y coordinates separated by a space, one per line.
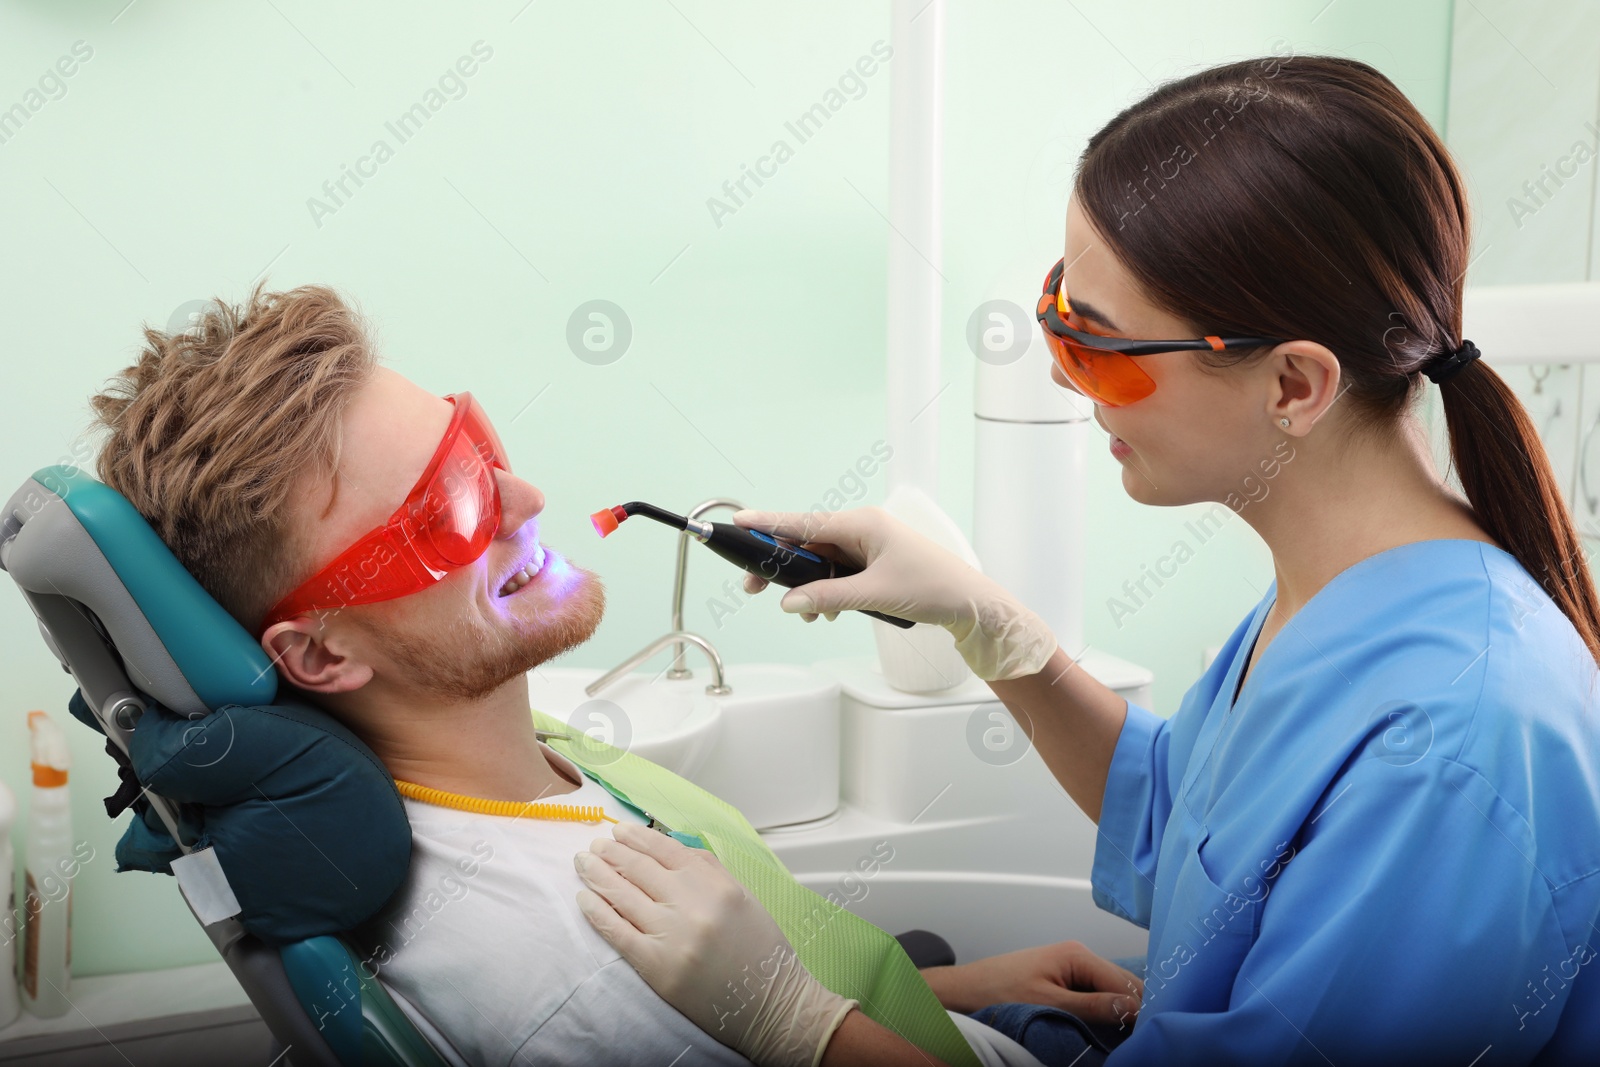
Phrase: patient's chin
pixel 466 663
pixel 560 627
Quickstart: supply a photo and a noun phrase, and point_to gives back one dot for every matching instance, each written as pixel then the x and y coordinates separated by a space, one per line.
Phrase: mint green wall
pixel 576 165
pixel 1524 111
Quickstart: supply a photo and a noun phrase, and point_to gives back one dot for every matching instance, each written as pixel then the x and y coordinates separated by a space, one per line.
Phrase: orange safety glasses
pixel 1101 366
pixel 446 522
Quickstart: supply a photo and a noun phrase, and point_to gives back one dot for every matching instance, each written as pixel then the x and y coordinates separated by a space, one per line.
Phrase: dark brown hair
pixel 212 426
pixel 1304 196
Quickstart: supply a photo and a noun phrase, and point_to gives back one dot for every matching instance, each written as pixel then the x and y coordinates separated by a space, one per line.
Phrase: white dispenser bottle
pixel 47 905
pixel 10 1004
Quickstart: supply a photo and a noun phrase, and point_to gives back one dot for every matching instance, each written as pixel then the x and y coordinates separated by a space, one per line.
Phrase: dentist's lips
pixel 528 573
pixel 1119 447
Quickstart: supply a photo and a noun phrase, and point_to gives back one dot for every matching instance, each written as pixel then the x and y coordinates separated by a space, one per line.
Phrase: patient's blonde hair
pixel 213 426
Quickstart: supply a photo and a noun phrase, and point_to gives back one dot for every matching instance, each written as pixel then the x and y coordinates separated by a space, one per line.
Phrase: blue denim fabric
pixel 1131 963
pixel 1058 1038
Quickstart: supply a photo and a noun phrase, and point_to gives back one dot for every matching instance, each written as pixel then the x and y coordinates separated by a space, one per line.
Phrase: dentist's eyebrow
pixel 1088 311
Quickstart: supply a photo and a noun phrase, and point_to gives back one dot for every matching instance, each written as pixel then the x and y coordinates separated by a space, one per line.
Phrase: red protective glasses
pixel 446 522
pixel 1102 366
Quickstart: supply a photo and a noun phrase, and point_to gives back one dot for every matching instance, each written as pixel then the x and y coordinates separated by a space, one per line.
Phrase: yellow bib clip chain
pixel 530 809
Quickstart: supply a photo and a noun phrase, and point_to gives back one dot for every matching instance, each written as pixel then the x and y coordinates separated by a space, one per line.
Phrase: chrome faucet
pixel 682 576
pixel 677 636
pixel 718 686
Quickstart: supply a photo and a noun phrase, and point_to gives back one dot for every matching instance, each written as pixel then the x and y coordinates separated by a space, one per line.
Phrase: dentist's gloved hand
pixel 707 946
pixel 908 575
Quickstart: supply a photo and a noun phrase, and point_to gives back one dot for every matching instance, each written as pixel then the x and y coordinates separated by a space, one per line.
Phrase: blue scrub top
pixel 1388 850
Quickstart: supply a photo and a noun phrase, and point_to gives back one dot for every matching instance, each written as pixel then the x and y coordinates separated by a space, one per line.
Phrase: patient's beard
pixel 464 662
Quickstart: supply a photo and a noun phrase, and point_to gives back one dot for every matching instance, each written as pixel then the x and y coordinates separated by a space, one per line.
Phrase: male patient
pixel 265 442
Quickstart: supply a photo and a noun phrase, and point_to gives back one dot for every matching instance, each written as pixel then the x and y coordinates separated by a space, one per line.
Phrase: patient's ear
pixel 314 656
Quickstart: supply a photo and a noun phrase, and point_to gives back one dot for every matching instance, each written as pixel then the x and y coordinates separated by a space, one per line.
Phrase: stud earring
pixel 1283 422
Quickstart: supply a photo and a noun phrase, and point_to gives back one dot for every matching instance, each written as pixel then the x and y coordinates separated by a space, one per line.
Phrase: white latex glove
pixel 707 946
pixel 907 575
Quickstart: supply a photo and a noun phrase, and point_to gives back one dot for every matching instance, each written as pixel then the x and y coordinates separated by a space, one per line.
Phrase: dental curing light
pixel 778 561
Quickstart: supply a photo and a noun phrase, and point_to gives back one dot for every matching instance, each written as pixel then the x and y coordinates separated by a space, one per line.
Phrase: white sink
pixel 670 723
pixel 770 747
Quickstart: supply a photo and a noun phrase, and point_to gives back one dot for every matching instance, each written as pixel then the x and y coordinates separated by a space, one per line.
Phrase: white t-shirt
pixel 486 940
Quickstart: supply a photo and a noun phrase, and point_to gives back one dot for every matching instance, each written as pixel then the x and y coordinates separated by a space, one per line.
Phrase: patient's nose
pixel 519 502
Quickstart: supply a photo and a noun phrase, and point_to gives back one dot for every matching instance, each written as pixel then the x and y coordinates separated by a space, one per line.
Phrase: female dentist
pixel 1371 832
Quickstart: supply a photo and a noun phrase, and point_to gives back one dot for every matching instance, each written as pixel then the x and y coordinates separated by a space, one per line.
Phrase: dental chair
pixel 258 805
pixel 283 830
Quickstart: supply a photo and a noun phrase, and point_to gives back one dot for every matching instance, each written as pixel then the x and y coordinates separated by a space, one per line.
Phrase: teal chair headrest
pixel 67 534
pixel 305 821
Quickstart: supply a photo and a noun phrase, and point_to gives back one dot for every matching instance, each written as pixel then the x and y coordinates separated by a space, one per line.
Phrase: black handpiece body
pixel 781 562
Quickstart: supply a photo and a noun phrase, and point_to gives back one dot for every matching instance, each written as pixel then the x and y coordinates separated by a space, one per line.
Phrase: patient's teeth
pixel 528 573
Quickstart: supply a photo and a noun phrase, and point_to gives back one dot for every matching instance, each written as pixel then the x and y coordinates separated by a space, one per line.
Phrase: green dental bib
pixel 849 955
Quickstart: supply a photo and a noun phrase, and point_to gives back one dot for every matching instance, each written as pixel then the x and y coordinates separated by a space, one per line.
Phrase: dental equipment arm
pixel 709 948
pixel 1072 719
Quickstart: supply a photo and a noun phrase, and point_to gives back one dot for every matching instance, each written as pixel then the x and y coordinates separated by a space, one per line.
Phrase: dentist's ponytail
pixel 1500 460
pixel 1304 196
